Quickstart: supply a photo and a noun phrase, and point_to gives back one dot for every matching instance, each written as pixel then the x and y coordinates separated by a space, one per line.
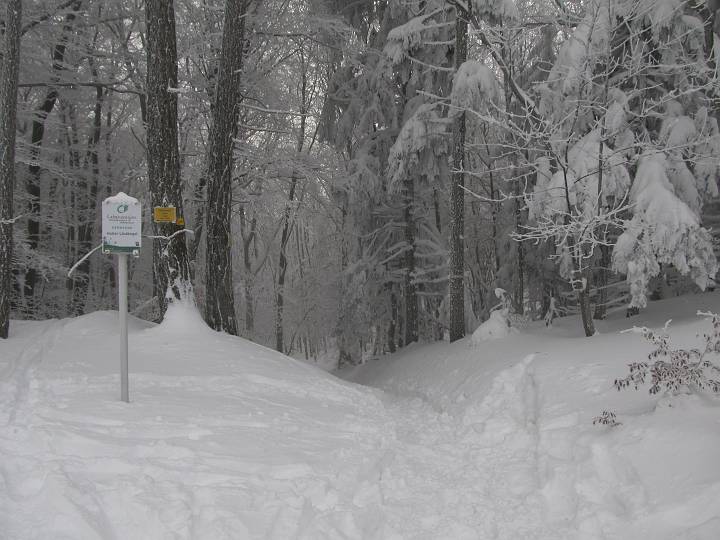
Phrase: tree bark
pixel 457 201
pixel 282 263
pixel 247 241
pixel 519 292
pixel 171 273
pixel 36 141
pixel 584 299
pixel 586 313
pixel 8 121
pixel 282 269
pixel 219 293
pixel 602 281
pixel 86 199
pixel 393 318
pixel 409 286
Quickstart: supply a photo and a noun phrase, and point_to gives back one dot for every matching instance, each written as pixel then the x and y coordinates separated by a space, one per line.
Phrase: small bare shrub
pixel 607 418
pixel 675 369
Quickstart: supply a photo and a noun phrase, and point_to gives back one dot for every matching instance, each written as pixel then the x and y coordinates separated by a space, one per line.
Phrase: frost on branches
pixel 607 109
pixel 676 370
pixel 570 206
pixel 663 230
pixel 421 139
pixel 474 86
pixel 495 9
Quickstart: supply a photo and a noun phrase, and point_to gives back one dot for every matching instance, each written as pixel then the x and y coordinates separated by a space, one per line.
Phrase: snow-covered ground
pixel 227 439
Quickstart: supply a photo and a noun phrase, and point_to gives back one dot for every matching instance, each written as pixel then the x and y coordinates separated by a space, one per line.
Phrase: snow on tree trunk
pixel 8 120
pixel 170 257
pixel 219 293
pixel 457 200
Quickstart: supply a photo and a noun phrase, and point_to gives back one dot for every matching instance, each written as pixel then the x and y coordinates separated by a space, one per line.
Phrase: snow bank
pixel 496 327
pixel 536 467
pixel 222 439
pixel 227 439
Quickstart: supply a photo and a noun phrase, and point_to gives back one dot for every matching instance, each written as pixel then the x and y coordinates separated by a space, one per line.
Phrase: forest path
pixel 472 476
pixel 519 459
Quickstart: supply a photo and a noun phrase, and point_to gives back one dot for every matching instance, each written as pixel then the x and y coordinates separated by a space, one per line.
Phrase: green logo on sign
pixel 122 208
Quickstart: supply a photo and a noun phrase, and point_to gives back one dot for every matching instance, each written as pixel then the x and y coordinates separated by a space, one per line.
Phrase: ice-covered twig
pixel 173 235
pixel 83 259
pixel 11 220
pixel 503 197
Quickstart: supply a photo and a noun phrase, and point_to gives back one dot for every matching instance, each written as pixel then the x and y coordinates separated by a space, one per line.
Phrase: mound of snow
pixel 222 438
pixel 496 327
pixel 514 419
pixel 225 439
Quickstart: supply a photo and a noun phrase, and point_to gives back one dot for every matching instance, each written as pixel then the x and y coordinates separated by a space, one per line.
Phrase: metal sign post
pixel 123 307
pixel 122 235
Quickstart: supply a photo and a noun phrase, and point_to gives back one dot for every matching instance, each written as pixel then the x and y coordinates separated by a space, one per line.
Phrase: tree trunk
pixel 393 318
pixel 519 292
pixel 584 299
pixel 280 301
pixel 86 196
pixel 280 295
pixel 170 258
pixel 219 293
pixel 247 241
pixel 409 287
pixel 8 120
pixel 586 312
pixel 457 202
pixel 36 141
pixel 602 283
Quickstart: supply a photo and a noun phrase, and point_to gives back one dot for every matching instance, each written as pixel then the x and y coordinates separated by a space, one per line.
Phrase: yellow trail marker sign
pixel 180 221
pixel 164 214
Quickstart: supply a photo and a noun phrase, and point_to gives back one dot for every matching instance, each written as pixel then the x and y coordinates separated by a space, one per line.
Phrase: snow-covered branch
pixel 173 235
pixel 12 220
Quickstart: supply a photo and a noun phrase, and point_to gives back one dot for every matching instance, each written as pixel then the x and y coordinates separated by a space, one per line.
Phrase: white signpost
pixel 121 236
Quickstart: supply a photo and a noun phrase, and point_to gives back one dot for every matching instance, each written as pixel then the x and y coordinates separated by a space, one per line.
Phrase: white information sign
pixel 121 224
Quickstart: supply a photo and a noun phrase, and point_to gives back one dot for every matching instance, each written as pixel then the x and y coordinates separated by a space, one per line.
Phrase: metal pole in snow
pixel 123 308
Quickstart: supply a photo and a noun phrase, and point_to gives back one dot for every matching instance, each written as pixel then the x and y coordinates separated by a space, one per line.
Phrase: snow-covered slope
pixel 227 439
pixel 523 408
pixel 222 439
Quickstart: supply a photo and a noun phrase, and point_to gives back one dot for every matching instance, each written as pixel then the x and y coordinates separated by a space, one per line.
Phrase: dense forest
pixel 354 176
